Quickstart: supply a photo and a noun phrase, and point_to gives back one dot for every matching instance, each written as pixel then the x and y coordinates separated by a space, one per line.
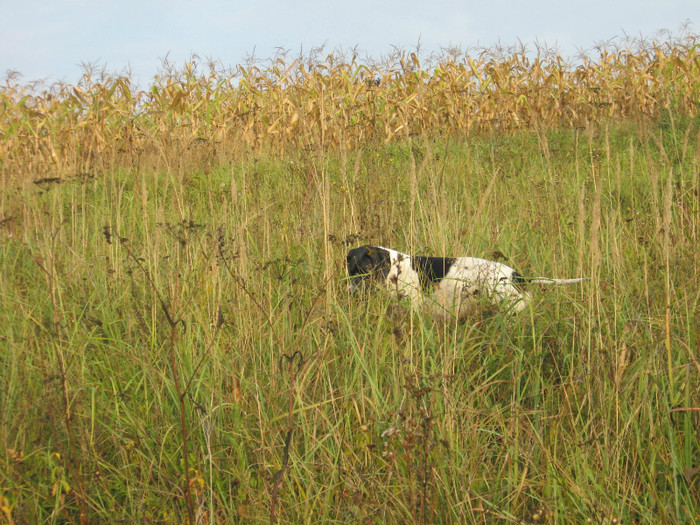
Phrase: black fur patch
pixel 366 262
pixel 431 269
pixel 519 281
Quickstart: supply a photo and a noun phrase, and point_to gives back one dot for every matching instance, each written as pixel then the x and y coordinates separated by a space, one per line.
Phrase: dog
pixel 453 286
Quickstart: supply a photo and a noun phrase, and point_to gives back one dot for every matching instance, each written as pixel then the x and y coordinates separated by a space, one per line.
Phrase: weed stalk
pixel 172 324
pixel 72 462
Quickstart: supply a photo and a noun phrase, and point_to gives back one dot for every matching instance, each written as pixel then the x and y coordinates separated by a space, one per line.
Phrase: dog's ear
pixel 352 260
pixel 359 260
pixel 366 259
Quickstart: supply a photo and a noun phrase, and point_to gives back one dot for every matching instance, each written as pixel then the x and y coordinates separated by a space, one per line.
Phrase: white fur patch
pixel 402 280
pixel 471 280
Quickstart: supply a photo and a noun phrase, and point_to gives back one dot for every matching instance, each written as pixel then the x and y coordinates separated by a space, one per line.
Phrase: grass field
pixel 178 344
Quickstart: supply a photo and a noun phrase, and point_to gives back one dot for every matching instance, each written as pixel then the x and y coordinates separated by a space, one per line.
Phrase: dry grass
pixel 104 122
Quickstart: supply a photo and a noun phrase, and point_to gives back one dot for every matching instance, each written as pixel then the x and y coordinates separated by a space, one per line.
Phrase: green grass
pixel 583 407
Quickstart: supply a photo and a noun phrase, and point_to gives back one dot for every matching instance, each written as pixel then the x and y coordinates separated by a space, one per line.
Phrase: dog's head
pixel 366 263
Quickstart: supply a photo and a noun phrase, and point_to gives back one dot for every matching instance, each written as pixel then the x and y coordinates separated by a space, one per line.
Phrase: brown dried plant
pixel 192 117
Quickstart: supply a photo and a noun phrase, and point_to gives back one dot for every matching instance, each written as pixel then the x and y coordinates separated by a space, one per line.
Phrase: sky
pixel 52 40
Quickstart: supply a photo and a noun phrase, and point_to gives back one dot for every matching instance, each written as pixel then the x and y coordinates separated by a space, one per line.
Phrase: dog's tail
pixel 546 280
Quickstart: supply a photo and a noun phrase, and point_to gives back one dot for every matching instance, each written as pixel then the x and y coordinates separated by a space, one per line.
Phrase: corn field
pixel 338 102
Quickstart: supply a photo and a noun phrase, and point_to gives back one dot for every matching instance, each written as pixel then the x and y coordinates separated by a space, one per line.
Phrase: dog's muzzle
pixel 356 284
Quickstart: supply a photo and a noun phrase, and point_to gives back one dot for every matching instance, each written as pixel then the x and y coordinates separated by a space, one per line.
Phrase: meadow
pixel 178 344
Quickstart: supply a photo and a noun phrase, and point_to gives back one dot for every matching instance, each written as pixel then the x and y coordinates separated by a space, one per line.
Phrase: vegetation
pixel 178 344
pixel 104 122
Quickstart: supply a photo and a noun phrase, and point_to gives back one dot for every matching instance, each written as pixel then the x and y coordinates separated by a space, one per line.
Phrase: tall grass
pixel 583 407
pixel 178 344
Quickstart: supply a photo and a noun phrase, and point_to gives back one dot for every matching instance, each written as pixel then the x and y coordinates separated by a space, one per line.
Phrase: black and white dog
pixel 453 285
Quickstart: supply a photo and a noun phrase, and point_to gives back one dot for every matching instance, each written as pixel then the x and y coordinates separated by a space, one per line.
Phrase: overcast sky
pixel 50 39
